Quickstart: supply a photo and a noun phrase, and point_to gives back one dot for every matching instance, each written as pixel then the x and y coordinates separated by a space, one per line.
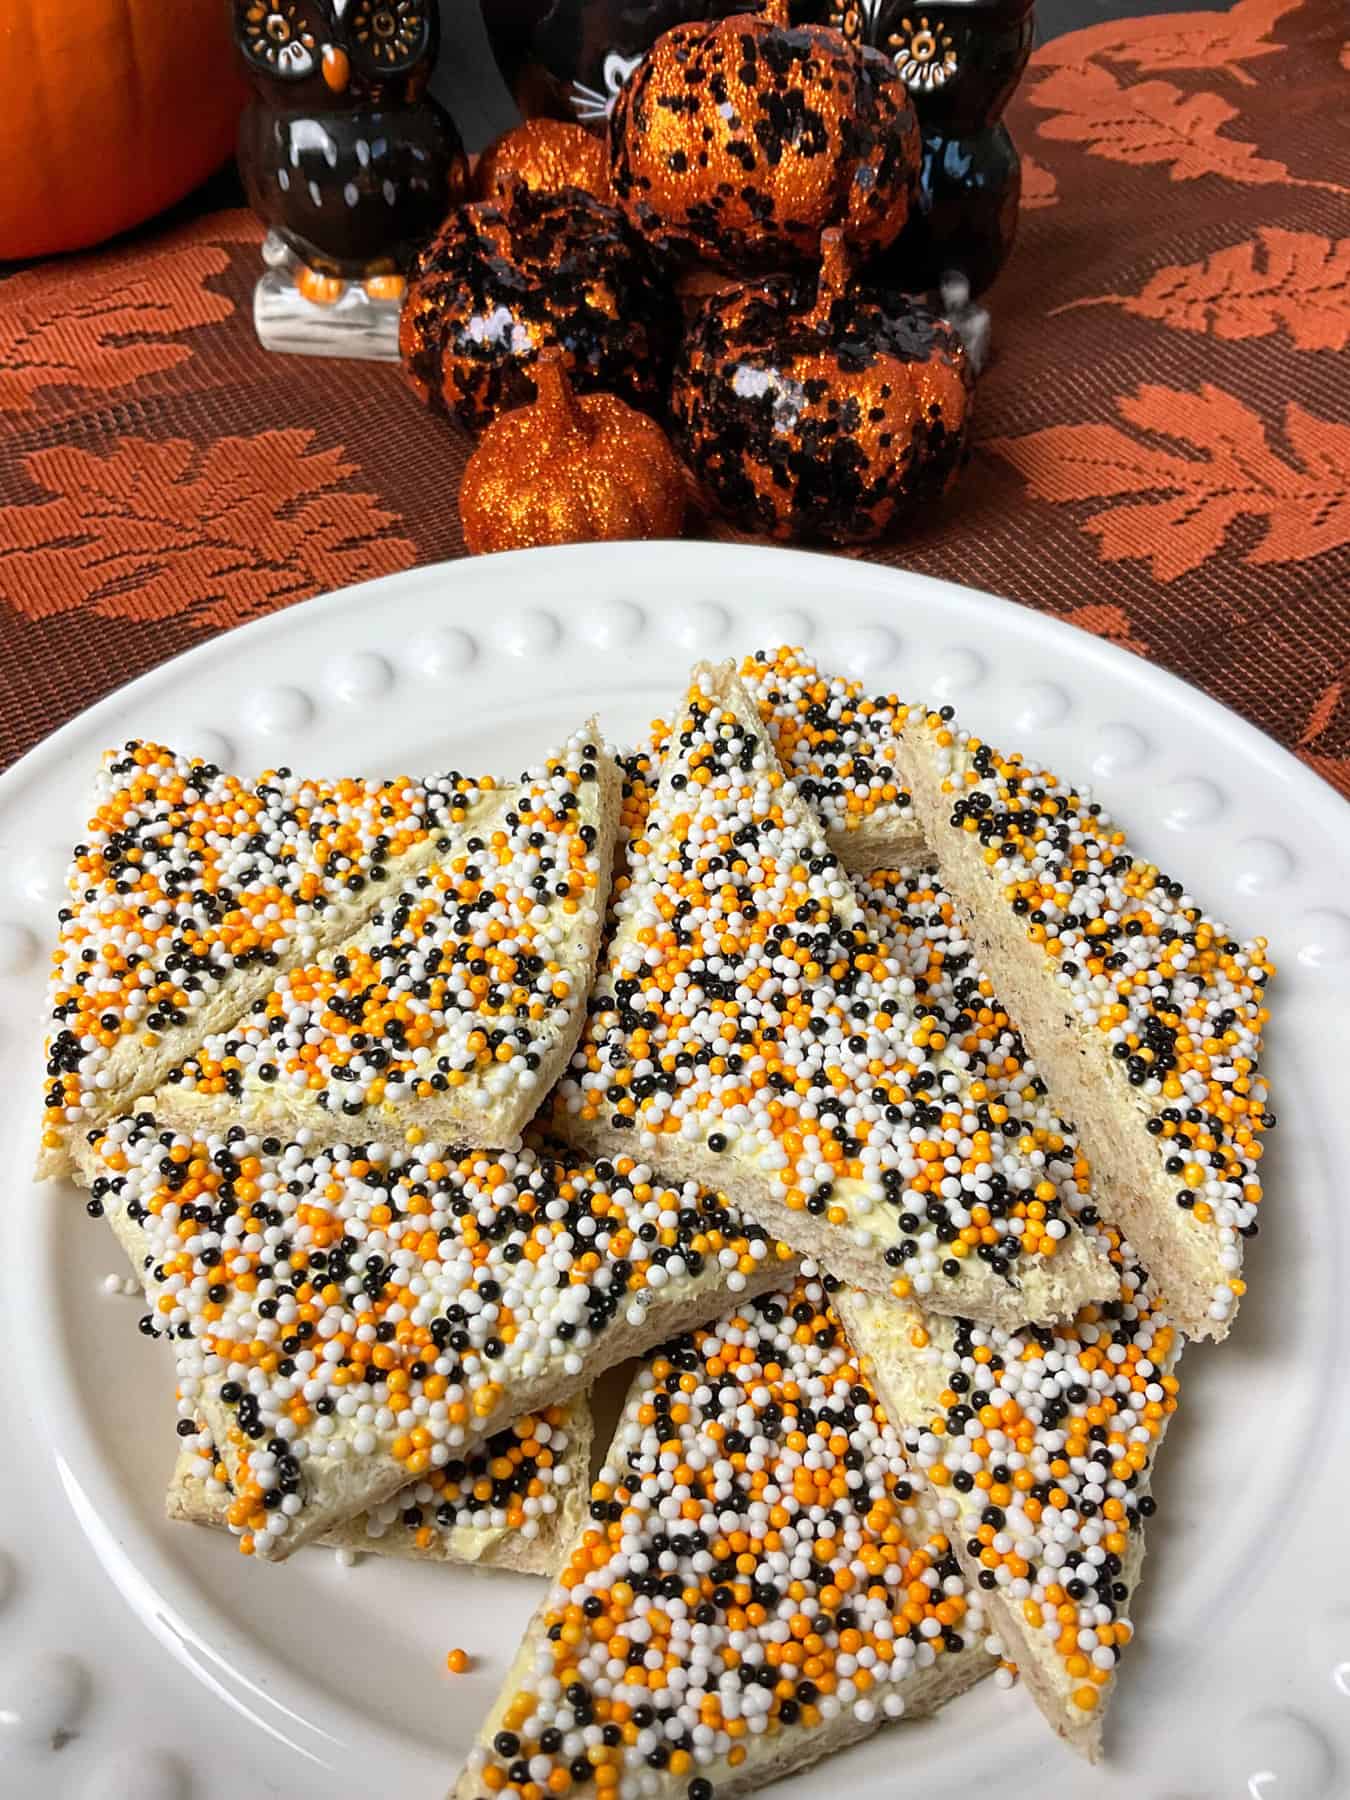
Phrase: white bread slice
pixel 912 1358
pixel 912 1361
pixel 467 1283
pixel 836 741
pixel 979 1072
pixel 681 1486
pixel 200 1494
pixel 190 890
pixel 1050 890
pixel 401 1027
pixel 871 1042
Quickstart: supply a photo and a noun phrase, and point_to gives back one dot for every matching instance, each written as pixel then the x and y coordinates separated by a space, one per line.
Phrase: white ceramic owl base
pixel 354 326
pixel 971 323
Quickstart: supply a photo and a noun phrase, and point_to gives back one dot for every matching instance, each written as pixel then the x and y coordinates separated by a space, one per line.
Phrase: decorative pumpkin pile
pixel 807 402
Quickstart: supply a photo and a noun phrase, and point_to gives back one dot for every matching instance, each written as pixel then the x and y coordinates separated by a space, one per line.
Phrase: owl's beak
pixel 336 68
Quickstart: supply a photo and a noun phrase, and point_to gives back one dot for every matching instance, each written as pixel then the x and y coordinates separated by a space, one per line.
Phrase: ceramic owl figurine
pixel 961 61
pixel 347 160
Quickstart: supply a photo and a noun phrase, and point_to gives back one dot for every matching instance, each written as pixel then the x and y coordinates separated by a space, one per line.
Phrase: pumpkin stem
pixel 554 396
pixel 511 191
pixel 835 273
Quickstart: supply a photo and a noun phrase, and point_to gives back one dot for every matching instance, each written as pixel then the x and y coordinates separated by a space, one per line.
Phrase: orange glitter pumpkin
pixel 568 469
pixel 504 279
pixel 548 155
pixel 834 415
pixel 739 141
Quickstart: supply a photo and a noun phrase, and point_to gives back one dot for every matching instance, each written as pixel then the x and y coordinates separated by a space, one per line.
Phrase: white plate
pixel 311 1680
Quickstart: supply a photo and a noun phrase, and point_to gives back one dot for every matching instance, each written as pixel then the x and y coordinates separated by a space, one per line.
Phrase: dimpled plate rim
pixel 243 1676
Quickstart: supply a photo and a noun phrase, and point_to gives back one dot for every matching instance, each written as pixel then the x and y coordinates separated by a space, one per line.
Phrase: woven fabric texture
pixel 1162 441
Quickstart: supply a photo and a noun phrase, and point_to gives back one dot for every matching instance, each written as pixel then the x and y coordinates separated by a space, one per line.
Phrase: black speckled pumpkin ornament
pixel 835 416
pixel 509 277
pixel 737 142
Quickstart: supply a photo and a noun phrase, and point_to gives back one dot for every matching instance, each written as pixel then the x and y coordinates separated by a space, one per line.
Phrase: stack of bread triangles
pixel 417 1104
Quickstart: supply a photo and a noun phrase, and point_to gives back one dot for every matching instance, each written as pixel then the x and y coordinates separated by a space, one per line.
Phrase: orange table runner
pixel 1163 439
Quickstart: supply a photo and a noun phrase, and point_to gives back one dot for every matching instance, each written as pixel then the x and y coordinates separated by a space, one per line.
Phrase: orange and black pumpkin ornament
pixel 835 417
pixel 548 155
pixel 738 141
pixel 568 469
pixel 504 279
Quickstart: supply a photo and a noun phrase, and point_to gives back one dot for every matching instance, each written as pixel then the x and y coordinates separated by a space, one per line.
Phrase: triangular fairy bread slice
pixel 746 1030
pixel 190 890
pixel 836 741
pixel 514 1504
pixel 1046 1438
pixel 1144 1014
pixel 456 1007
pixel 977 1075
pixel 761 1581
pixel 1053 1428
pixel 346 1319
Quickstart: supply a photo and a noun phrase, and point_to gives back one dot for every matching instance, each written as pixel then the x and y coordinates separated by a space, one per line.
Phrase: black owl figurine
pixel 347 160
pixel 961 61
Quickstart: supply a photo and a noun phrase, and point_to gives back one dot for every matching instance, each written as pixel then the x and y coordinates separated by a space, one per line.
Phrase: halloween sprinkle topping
pixel 189 878
pixel 465 979
pixel 362 1303
pixel 745 1007
pixel 1179 1002
pixel 759 1563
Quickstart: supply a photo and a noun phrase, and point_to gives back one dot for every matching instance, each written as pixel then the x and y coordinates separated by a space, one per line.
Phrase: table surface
pixel 1162 451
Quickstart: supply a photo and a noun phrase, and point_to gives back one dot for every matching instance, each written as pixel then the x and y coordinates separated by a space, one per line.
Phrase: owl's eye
pixel 925 56
pixel 848 18
pixel 389 33
pixel 275 34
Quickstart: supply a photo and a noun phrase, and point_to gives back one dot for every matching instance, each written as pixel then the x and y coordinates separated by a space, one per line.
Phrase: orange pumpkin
pixel 836 415
pixel 569 469
pixel 113 109
pixel 739 139
pixel 547 155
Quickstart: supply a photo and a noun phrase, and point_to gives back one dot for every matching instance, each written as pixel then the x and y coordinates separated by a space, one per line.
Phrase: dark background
pixel 468 83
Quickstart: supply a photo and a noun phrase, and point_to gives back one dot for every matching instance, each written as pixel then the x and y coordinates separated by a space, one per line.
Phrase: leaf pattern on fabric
pixel 1147 122
pixel 104 320
pixel 1295 279
pixel 1189 500
pixel 1163 43
pixel 1039 187
pixel 214 533
pixel 1324 710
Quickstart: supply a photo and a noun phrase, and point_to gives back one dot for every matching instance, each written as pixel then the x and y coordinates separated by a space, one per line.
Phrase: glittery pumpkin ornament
pixel 835 417
pixel 739 141
pixel 548 155
pixel 506 278
pixel 569 469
